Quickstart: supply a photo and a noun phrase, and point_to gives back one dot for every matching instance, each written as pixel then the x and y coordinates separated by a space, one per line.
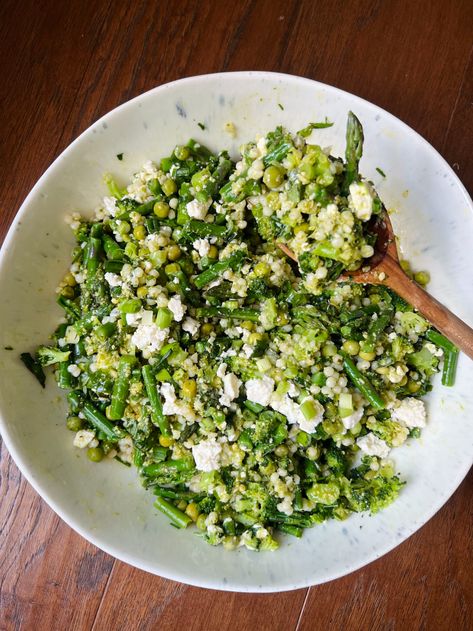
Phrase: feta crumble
pixel 83 438
pixel 207 455
pixel 198 210
pixel 177 308
pixel 202 246
pixel 373 446
pixel 410 413
pixel 260 390
pixel 149 338
pixel 231 389
pixel 361 200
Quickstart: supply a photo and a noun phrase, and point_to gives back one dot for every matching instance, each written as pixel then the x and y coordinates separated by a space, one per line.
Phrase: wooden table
pixel 64 64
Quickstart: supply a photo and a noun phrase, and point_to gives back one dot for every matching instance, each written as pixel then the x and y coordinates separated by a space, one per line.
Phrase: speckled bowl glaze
pixel 106 503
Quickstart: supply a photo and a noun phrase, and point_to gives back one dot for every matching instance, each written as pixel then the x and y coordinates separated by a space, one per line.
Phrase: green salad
pixel 255 395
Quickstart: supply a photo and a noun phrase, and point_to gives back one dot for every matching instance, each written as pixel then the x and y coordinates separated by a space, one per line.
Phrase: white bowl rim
pixel 22 463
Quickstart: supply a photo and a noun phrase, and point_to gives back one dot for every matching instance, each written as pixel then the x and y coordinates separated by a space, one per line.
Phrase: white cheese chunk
pixel 361 200
pixel 373 446
pixel 355 417
pixel 83 438
pixel 198 210
pixel 149 338
pixel 202 246
pixel 260 390
pixel 410 413
pixel 207 455
pixel 74 370
pixel 190 325
pixel 231 389
pixel 177 308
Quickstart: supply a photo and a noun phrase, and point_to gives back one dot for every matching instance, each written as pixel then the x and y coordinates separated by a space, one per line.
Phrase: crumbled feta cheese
pixel 110 205
pixel 125 446
pixel 373 446
pixel 202 246
pixel 74 370
pixel 361 200
pixel 221 370
pixel 410 413
pixel 207 455
pixel 285 506
pixel 231 389
pixel 247 350
pixel 260 390
pixel 355 417
pixel 190 325
pixel 309 425
pixel 198 210
pixel 83 438
pixel 114 280
pixel 177 308
pixel 149 338
pixel 285 405
pixel 133 319
pixel 172 405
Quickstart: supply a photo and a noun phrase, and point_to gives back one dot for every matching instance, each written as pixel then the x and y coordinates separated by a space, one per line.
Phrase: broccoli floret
pixel 392 432
pixel 413 323
pixel 270 431
pixel 336 460
pixel 48 355
pixel 370 490
pixel 424 361
pixel 256 503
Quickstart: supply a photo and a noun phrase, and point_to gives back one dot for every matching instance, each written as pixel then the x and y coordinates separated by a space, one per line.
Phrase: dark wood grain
pixel 64 64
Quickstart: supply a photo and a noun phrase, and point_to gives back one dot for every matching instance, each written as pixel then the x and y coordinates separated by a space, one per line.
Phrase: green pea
pixel 422 278
pixel 273 176
pixel 174 252
pixel 161 210
pixel 181 152
pixel 351 347
pixel 74 423
pixel 169 187
pixel 95 454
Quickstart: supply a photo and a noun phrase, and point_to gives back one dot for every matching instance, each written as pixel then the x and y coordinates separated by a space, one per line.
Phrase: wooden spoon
pixel 385 269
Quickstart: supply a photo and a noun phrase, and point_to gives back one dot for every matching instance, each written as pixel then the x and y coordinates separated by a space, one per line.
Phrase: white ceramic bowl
pixel 106 503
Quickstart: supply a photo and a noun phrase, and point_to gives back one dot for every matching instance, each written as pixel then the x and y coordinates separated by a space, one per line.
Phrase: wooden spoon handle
pixel 444 320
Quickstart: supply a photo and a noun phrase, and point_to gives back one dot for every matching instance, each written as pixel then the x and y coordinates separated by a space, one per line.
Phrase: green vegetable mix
pixel 255 396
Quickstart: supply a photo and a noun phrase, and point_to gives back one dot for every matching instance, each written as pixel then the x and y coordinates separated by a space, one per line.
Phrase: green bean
pixel 362 383
pixel 113 266
pixel 104 331
pixel 69 306
pixel 195 228
pixel 234 262
pixel 224 312
pixel 354 149
pixel 450 367
pixel 177 517
pixel 64 377
pixel 157 416
pixel 253 407
pixel 159 468
pixel 147 207
pixel 112 250
pixel 91 256
pixel 121 387
pixel 34 367
pixel 75 400
pixel 440 340
pixel 278 153
pixel 295 531
pixel 99 421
